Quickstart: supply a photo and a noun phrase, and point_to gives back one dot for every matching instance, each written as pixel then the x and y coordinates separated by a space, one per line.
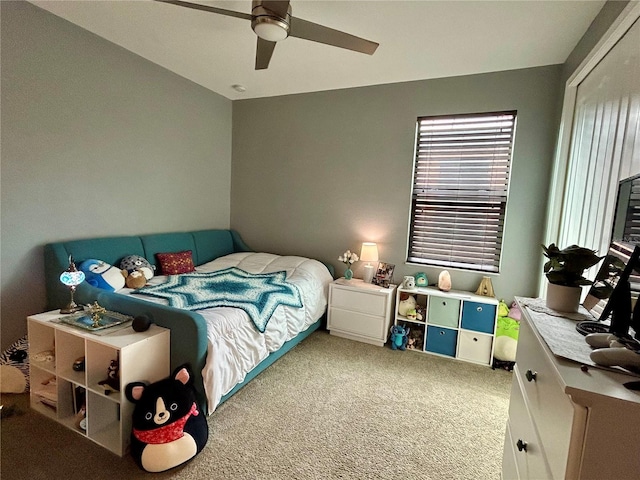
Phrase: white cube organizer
pixel 456 324
pixel 59 391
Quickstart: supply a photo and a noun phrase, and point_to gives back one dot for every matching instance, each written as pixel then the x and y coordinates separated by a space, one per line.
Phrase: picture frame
pixel 384 274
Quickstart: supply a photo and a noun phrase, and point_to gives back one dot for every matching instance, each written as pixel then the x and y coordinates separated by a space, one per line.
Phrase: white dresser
pixel 567 420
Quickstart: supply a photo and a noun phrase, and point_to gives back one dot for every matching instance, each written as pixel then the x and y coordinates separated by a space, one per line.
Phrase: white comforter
pixel 235 345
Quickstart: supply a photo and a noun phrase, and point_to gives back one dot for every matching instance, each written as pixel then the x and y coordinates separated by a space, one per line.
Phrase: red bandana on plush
pixel 168 433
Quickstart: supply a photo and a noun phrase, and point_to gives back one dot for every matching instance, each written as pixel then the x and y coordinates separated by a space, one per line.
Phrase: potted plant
pixel 565 272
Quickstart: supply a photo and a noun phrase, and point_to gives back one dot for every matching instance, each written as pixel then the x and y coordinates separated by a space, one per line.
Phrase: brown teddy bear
pixel 135 279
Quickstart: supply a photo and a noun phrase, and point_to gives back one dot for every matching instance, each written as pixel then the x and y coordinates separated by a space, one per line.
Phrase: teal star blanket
pixel 258 294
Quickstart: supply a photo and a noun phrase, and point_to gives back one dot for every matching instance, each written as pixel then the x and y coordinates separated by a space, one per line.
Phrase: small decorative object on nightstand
pixel 72 277
pixel 348 258
pixel 384 274
pixel 360 311
pixel 96 312
pixel 369 253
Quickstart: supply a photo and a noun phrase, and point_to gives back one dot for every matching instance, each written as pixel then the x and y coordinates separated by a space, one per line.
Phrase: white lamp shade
pixel 369 252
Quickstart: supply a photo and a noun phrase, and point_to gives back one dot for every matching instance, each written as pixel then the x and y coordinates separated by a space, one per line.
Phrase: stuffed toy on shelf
pixel 399 337
pixel 506 341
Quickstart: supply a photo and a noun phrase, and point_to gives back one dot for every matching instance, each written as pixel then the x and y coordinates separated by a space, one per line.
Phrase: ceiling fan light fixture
pixel 270 29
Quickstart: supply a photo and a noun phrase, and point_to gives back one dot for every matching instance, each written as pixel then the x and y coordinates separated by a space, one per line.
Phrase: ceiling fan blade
pixel 264 50
pixel 206 8
pixel 319 33
pixel 279 7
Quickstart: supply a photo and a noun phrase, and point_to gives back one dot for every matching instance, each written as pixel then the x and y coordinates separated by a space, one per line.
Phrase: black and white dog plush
pixel 168 427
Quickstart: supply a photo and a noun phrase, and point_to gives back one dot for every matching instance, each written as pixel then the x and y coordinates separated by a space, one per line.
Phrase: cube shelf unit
pixel 455 324
pixel 58 391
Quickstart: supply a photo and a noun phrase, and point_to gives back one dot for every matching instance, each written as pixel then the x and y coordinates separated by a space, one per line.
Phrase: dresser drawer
pixel 443 311
pixel 357 323
pixel 530 457
pixel 509 468
pixel 442 341
pixel 480 317
pixel 359 301
pixel 551 409
pixel 474 347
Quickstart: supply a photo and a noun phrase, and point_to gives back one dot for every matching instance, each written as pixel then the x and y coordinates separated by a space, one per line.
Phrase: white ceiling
pixel 419 39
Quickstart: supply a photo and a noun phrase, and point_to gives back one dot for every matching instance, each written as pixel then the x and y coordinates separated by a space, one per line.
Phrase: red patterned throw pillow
pixel 176 263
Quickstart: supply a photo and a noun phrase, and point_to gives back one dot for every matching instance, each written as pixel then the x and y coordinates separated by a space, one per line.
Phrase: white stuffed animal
pixel 407 302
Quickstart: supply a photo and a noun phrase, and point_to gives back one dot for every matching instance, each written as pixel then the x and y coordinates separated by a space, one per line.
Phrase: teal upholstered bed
pixel 188 328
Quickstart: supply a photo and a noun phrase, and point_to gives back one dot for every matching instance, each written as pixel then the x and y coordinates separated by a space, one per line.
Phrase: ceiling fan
pixel 271 20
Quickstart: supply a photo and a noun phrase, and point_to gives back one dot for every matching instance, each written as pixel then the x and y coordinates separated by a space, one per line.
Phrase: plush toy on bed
pixel 102 275
pixel 136 279
pixel 133 263
pixel 168 428
pixel 399 337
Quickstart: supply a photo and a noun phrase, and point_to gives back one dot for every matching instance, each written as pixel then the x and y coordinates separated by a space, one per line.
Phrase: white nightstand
pixel 360 311
pixel 58 388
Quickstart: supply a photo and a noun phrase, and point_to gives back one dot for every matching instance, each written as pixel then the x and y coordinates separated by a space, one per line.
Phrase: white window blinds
pixel 460 186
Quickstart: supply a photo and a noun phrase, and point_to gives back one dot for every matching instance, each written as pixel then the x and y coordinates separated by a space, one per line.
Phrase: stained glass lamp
pixel 72 277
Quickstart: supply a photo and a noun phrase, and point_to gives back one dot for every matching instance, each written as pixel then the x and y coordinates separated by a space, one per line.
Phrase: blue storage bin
pixel 480 317
pixel 442 340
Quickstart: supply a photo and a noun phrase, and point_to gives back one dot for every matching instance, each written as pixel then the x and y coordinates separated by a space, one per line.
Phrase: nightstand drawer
pixel 359 301
pixel 357 323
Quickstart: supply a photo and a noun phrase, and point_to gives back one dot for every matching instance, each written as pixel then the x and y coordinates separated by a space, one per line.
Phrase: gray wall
pixel 315 174
pixel 605 18
pixel 97 141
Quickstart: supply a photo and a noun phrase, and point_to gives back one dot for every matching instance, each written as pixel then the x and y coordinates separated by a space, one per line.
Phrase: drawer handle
pixel 522 446
pixel 444 303
pixel 531 376
pixel 479 309
pixel 475 339
pixel 441 332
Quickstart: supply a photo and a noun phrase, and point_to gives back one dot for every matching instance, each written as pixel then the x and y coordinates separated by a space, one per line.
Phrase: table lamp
pixel 71 277
pixel 369 253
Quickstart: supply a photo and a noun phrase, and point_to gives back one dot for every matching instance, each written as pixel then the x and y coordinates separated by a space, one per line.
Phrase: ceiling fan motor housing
pixel 268 24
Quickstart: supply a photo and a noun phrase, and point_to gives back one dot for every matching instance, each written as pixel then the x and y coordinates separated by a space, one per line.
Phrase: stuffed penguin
pixel 102 275
pixel 168 427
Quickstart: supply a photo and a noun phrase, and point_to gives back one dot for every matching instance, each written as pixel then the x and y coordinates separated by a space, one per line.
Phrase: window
pixel 459 194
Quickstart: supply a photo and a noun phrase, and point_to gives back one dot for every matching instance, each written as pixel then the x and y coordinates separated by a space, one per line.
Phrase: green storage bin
pixel 443 311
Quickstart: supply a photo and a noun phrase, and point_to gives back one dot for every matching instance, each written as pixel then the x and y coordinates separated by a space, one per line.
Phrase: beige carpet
pixel 330 408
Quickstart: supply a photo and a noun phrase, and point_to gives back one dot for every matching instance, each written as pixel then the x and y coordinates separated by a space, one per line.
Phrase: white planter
pixel 563 299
